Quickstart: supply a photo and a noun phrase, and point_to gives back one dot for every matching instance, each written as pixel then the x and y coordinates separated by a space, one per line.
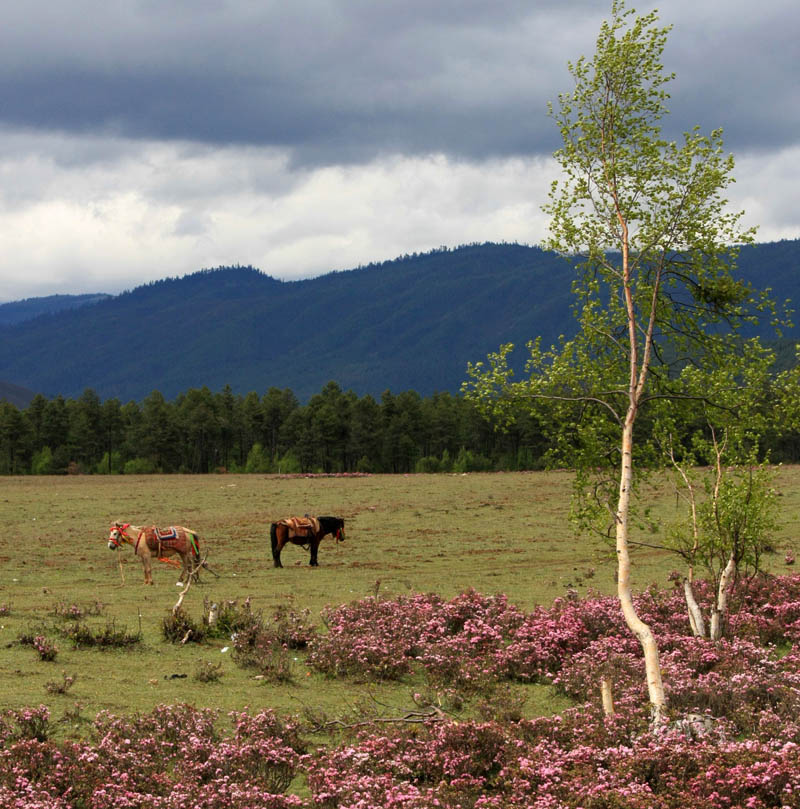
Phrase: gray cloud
pixel 346 81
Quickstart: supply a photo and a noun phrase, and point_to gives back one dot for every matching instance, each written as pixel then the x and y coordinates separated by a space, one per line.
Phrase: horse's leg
pixel 148 569
pixel 185 569
pixel 314 547
pixel 193 564
pixel 276 545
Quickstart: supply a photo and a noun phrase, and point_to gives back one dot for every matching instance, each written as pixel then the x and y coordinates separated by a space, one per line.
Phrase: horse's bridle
pixel 122 531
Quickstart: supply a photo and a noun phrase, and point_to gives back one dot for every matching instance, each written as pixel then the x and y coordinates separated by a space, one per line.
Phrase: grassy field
pixel 493 532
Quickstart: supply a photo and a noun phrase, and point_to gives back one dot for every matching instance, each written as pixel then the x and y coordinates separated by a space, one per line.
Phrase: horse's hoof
pixel 179 584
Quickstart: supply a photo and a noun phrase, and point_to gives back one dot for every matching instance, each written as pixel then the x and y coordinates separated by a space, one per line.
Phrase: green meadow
pixel 496 533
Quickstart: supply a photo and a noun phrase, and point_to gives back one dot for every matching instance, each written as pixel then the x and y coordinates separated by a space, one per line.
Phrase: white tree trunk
pixel 655 686
pixel 608 698
pixel 696 620
pixel 721 607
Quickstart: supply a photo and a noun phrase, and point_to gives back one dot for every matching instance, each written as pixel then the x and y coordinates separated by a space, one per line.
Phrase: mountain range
pixel 412 323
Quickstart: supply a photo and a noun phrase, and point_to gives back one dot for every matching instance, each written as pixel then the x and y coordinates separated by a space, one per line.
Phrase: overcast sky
pixel 143 139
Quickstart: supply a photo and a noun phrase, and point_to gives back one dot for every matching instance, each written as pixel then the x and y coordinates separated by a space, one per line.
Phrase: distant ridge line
pixel 412 323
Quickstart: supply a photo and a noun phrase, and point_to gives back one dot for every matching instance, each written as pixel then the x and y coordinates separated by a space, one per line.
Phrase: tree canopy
pixel 645 224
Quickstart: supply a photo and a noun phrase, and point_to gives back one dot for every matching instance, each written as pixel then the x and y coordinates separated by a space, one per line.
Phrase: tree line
pixel 336 431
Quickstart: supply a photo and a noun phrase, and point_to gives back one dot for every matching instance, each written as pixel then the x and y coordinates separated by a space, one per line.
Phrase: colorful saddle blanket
pixel 182 540
pixel 301 526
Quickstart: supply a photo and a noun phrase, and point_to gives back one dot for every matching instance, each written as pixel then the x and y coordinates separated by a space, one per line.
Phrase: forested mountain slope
pixel 20 311
pixel 15 395
pixel 408 324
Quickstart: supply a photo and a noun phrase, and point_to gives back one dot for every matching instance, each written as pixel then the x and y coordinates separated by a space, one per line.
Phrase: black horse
pixel 305 531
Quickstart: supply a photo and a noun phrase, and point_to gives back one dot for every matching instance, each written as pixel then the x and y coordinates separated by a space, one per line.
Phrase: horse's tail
pixel 194 542
pixel 273 536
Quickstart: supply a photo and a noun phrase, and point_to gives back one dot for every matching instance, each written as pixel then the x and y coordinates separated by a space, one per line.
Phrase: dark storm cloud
pixel 737 69
pixel 333 81
pixel 344 81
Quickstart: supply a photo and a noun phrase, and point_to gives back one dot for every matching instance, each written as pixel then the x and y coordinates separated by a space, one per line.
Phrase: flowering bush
pixel 293 629
pixel 29 723
pixel 67 681
pixel 76 612
pixel 45 648
pixel 740 697
pixel 175 758
pixel 732 739
pixel 372 637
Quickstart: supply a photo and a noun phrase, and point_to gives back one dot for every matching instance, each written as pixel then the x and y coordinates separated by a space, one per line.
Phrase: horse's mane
pixel 123 524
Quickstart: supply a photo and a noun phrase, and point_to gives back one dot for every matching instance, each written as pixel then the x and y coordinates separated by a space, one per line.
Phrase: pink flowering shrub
pixel 449 762
pixel 371 638
pixel 732 738
pixel 492 766
pixel 741 695
pixel 29 723
pixel 174 757
pixel 294 629
pixel 547 637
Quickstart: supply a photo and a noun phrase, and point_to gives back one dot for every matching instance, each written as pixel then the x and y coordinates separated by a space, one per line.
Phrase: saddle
pixel 303 527
pixel 158 538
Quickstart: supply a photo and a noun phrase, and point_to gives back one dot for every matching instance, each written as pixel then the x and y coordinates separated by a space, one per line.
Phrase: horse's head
pixel 333 526
pixel 118 535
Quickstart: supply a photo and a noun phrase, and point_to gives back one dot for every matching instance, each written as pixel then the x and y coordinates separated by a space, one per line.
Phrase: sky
pixel 146 139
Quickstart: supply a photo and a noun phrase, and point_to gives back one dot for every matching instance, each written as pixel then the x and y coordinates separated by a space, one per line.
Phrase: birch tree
pixel 723 479
pixel 644 224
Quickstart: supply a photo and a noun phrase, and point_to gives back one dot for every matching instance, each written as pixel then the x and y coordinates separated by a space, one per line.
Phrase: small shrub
pixel 208 672
pixel 27 637
pixel 44 648
pixel 178 627
pixel 83 636
pixel 260 649
pixel 5 610
pixel 76 612
pixel 28 723
pixel 292 628
pixel 226 618
pixel 67 682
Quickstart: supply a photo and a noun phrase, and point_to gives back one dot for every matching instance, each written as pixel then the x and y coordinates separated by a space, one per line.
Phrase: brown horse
pixel 305 531
pixel 150 542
